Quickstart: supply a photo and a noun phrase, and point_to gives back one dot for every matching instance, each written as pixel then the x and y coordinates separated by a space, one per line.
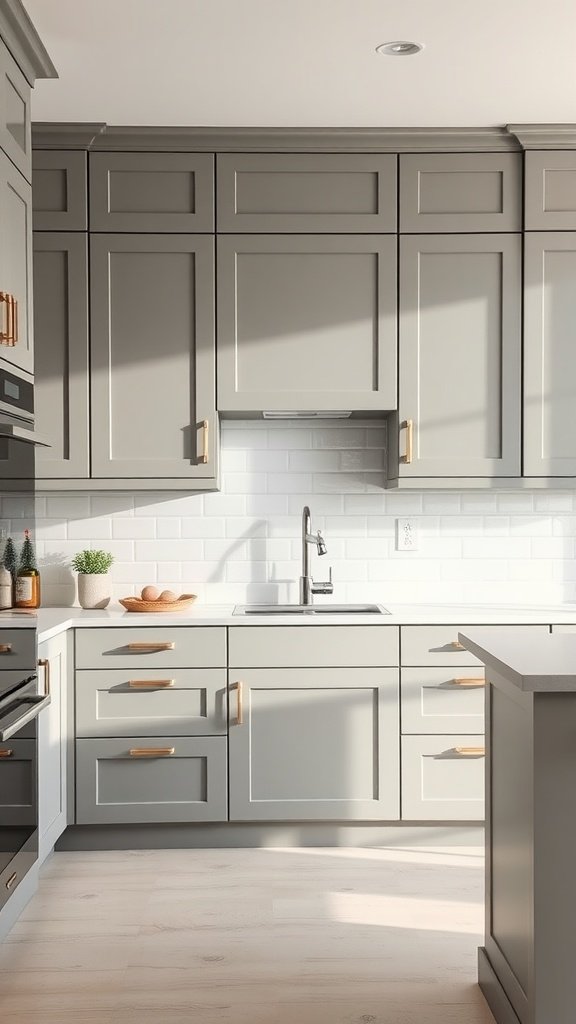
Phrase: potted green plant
pixel 93 579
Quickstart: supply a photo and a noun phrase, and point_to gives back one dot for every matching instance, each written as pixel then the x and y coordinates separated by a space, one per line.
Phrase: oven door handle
pixel 12 722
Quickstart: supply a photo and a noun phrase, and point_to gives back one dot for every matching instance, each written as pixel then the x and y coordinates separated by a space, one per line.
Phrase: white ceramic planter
pixel 93 589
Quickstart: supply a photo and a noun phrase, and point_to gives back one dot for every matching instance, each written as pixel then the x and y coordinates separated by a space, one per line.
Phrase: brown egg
pixel 167 596
pixel 150 594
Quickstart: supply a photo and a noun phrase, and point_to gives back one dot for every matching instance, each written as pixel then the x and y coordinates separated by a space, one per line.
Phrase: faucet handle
pixel 325 587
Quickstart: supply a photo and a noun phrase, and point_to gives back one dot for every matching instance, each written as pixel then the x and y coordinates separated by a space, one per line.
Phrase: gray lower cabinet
pixel 15 122
pixel 550 199
pixel 153 361
pixel 549 377
pixel 18 798
pixel 460 357
pixel 443 777
pixel 143 780
pixel 439 700
pixel 61 358
pixel 460 192
pixel 59 190
pixel 171 192
pixel 16 266
pixel 53 745
pixel 290 192
pixel 306 323
pixel 314 744
pixel 146 702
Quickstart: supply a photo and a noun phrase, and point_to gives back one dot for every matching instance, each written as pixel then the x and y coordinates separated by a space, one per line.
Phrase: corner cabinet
pixel 306 323
pixel 153 359
pixel 460 358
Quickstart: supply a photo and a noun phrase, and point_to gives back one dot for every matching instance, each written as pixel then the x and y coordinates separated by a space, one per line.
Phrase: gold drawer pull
pixel 457 646
pixel 471 751
pixel 5 752
pixel 7 332
pixel 150 647
pixel 11 880
pixel 150 684
pixel 408 426
pixel 45 664
pixel 240 702
pixel 472 681
pixel 15 328
pixel 205 443
pixel 152 751
pixel 5 648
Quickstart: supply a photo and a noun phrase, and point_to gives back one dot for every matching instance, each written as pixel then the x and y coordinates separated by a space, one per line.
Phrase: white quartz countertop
pixel 51 621
pixel 541 662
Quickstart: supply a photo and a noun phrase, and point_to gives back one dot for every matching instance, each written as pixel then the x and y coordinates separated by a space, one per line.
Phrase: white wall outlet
pixel 406 535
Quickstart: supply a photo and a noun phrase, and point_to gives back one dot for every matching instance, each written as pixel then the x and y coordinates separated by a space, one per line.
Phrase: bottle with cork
pixel 27 586
pixel 7 575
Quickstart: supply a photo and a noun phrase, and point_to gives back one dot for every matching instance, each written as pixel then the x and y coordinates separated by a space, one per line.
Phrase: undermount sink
pixel 310 609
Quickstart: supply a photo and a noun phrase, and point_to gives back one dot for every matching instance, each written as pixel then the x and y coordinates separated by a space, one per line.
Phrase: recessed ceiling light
pixel 399 48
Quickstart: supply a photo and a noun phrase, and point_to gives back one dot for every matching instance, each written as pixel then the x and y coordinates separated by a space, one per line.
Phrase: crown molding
pixel 293 140
pixel 544 136
pixel 65 135
pixel 24 43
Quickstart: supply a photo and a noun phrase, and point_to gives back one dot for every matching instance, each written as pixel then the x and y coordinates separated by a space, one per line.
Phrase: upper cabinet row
pixel 278 193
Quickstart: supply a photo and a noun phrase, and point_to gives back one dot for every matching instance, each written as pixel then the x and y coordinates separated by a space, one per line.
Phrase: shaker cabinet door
pixel 53 744
pixel 61 358
pixel 16 265
pixel 306 323
pixel 460 356
pixel 59 182
pixel 153 358
pixel 15 123
pixel 549 354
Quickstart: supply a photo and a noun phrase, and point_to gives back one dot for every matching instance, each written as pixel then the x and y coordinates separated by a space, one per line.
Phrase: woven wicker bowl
pixel 136 604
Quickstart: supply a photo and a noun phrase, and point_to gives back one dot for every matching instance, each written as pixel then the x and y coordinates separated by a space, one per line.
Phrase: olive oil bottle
pixel 27 586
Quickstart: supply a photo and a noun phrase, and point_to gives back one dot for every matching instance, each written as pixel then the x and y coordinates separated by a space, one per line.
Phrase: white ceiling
pixel 307 63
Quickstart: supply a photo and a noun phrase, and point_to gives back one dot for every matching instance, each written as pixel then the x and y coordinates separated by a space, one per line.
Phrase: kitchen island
pixel 526 966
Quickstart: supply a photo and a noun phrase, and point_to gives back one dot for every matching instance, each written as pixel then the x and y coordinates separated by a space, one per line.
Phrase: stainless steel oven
pixel 21 702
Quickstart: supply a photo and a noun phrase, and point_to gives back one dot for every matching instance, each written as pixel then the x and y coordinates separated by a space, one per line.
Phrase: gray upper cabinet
pixel 460 356
pixel 153 359
pixel 16 264
pixel 61 332
pixel 15 94
pixel 297 192
pixel 315 743
pixel 551 190
pixel 152 192
pixel 549 367
pixel 306 322
pixel 460 192
pixel 59 197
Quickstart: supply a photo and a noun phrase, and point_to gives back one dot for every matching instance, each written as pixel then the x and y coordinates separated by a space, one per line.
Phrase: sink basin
pixel 310 609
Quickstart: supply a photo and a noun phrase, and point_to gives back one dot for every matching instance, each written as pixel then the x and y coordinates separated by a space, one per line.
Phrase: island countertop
pixel 534 663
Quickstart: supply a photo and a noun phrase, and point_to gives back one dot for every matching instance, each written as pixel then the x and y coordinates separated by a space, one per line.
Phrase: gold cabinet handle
pixel 205 442
pixel 7 334
pixel 150 684
pixel 240 702
pixel 457 646
pixel 5 648
pixel 11 880
pixel 472 681
pixel 152 751
pixel 15 328
pixel 5 752
pixel 45 664
pixel 150 647
pixel 471 751
pixel 408 426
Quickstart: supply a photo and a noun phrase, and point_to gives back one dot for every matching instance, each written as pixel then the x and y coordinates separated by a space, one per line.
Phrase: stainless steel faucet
pixel 307 585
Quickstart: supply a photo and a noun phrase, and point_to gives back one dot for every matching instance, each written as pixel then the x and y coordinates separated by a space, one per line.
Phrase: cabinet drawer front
pixel 313 646
pixel 460 192
pixel 564 628
pixel 551 191
pixel 59 198
pixel 15 95
pixel 306 192
pixel 438 782
pixel 114 786
pixel 18 650
pixel 318 744
pixel 152 192
pixel 161 647
pixel 190 702
pixel 436 700
pixel 18 782
pixel 438 645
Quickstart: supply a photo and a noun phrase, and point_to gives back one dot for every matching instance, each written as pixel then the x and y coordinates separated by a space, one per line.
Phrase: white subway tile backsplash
pixel 242 545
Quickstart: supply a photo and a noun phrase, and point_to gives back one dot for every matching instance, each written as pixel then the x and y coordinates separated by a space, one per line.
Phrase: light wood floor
pixel 311 936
